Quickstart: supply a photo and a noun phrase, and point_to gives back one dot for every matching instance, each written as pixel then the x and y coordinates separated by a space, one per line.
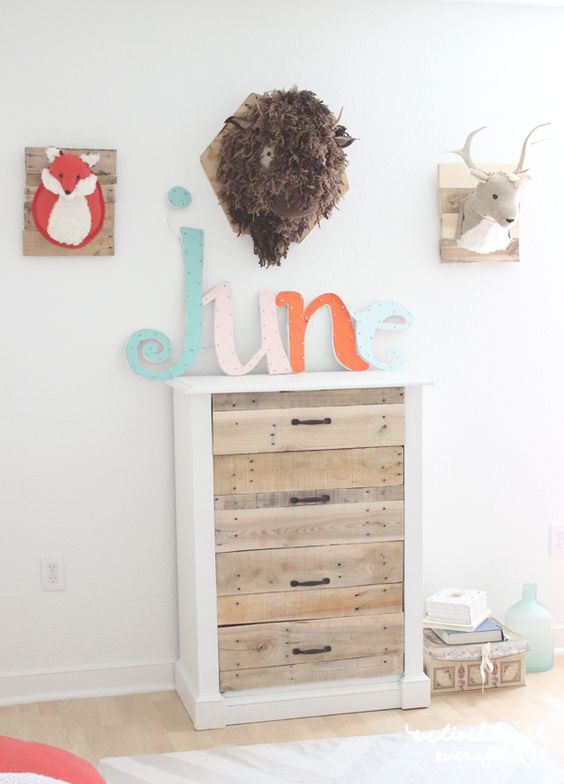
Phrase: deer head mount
pixel 486 216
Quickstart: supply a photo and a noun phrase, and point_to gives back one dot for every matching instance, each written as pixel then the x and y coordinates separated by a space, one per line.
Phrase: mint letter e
pixel 373 318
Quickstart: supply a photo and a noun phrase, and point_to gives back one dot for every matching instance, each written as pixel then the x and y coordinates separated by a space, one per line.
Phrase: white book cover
pixel 462 604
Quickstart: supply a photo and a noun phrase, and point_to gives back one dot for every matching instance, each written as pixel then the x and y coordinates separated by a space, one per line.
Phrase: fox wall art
pixel 69 202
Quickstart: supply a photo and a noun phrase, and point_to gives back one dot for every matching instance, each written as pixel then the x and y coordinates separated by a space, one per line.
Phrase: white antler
pixel 90 158
pixel 519 169
pixel 464 153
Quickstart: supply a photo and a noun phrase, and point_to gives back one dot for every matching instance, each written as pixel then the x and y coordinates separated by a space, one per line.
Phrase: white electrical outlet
pixel 52 573
pixel 557 540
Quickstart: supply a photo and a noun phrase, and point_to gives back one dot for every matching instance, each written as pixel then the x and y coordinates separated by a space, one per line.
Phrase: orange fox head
pixel 69 175
pixel 69 169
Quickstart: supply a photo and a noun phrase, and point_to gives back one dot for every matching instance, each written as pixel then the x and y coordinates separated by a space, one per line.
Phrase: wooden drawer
pixel 314 672
pixel 311 524
pixel 337 468
pixel 305 605
pixel 247 401
pixel 298 642
pixel 264 571
pixel 341 495
pixel 297 429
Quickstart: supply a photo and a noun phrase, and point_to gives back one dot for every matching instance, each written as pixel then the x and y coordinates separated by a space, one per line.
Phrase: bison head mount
pixel 278 168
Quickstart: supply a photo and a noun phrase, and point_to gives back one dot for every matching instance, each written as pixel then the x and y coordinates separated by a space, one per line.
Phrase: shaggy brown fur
pixel 275 196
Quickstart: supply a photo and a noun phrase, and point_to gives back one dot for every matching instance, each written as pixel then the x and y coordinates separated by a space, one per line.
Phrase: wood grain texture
pixel 304 605
pixel 314 672
pixel 105 169
pixel 298 471
pixel 282 430
pixel 341 495
pixel 451 198
pixel 274 644
pixel 299 526
pixel 449 225
pixel 451 253
pixel 263 571
pixel 34 244
pixel 255 401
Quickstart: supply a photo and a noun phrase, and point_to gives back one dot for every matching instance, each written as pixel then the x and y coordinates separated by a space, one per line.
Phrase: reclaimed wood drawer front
pixel 305 605
pixel 276 644
pixel 315 672
pixel 341 495
pixel 259 473
pixel 305 568
pixel 245 401
pixel 297 429
pixel 309 580
pixel 313 524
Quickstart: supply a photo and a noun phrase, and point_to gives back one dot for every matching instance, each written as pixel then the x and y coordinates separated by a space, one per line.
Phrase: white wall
pixel 86 445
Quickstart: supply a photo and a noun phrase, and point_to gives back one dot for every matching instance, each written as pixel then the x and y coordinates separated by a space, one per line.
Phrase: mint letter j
pixel 153 345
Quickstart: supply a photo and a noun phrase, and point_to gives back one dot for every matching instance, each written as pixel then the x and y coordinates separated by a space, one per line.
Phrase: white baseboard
pixel 19 688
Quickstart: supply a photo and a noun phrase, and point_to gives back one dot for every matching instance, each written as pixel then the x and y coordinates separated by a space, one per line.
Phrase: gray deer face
pixel 494 201
pixel 499 197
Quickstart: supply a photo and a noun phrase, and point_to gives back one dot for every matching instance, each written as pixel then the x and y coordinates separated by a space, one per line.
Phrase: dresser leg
pixel 415 691
pixel 207 711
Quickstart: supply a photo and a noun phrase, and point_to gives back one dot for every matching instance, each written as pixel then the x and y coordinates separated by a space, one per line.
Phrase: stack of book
pixel 461 616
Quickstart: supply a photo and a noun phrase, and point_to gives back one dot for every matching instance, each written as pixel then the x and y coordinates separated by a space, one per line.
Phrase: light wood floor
pixel 153 723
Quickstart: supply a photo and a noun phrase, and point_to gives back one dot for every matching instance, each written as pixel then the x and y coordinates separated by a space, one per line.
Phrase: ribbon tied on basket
pixel 486 664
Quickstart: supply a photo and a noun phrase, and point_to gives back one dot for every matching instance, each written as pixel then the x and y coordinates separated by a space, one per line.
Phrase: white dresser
pixel 298 505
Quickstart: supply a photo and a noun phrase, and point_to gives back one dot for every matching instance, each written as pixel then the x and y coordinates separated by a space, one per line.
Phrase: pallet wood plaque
pixel 456 184
pixel 102 244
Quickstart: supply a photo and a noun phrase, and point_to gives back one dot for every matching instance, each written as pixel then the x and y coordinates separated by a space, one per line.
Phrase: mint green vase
pixel 533 621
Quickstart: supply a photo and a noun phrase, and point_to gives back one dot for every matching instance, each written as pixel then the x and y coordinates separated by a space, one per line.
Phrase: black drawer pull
pixel 325 649
pixel 326 421
pixel 308 583
pixel 315 499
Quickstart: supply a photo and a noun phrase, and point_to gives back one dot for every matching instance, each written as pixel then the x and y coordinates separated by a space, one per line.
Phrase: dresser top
pixel 340 379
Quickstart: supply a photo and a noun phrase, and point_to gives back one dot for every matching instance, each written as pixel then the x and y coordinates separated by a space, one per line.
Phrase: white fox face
pixel 84 187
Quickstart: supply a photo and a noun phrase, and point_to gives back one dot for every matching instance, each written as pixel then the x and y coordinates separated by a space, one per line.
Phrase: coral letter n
pixel 343 329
